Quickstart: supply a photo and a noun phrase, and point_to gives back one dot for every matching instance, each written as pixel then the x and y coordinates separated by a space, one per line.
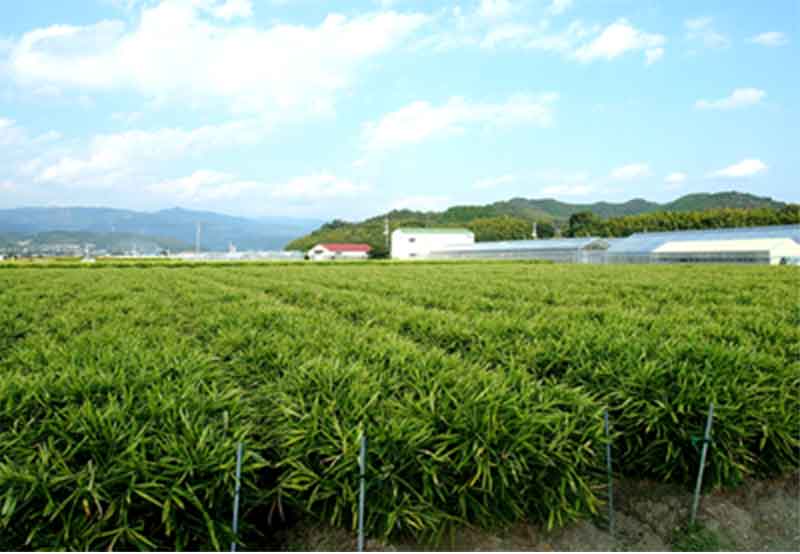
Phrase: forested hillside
pixel 513 219
pixel 587 224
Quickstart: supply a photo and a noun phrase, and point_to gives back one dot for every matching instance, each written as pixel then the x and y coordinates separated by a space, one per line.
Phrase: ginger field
pixel 481 387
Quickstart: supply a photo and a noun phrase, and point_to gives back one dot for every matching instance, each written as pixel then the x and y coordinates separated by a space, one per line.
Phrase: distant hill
pixel 513 218
pixel 217 230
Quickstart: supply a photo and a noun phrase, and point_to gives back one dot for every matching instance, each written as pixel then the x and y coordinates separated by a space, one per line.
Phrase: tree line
pixel 581 224
pixel 587 224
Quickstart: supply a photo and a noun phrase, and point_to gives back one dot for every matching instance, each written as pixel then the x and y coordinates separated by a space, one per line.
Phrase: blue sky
pixel 349 108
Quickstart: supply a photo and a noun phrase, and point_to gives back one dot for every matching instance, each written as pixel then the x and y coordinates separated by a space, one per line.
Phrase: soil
pixel 757 516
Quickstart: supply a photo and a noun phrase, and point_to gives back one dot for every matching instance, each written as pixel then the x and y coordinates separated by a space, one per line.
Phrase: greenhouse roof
pixel 650 242
pixel 739 245
pixel 529 245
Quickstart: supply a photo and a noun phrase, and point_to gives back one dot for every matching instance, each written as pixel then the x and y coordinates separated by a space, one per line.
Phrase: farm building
pixel 339 251
pixel 755 245
pixel 410 243
pixel 573 250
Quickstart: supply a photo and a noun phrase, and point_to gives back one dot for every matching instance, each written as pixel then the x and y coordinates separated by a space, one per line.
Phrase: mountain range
pixel 176 229
pixel 167 228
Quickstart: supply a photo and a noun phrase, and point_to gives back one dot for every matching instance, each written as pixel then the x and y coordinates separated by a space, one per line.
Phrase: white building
pixel 413 243
pixel 339 251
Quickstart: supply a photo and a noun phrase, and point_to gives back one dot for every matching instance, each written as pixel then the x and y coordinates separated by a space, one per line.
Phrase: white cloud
pixel 701 29
pixel 128 118
pixel 744 168
pixel 493 9
pixel 245 68
pixel 558 7
pixel 771 38
pixel 652 55
pixel 6 45
pixel 617 39
pixel 203 185
pixel 539 37
pixel 317 187
pixel 127 5
pixel 507 33
pixel 207 185
pixel 421 120
pixel 114 157
pixel 576 41
pixel 10 133
pixel 458 29
pixel 48 91
pixel 675 178
pixel 233 9
pixel 7 186
pixel 631 171
pixel 31 167
pixel 739 98
pixel 567 190
pixel 564 42
pixel 493 182
pixel 49 136
pixel 422 203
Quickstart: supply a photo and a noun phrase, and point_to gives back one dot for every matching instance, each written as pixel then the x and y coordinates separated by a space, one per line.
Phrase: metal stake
pixel 362 465
pixel 239 449
pixel 698 486
pixel 610 475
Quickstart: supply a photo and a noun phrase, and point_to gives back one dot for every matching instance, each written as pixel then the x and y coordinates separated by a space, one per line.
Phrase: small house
pixel 339 251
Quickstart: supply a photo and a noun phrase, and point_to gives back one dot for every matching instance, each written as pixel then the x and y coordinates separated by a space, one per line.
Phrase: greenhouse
pixel 572 250
pixel 754 245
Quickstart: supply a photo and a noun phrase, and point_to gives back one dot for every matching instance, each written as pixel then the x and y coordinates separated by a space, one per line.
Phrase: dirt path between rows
pixel 759 515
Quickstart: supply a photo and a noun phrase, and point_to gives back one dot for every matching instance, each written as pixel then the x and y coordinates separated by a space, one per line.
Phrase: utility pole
pixel 533 234
pixel 197 239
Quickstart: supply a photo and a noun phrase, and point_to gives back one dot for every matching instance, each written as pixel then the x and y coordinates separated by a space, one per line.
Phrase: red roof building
pixel 346 247
pixel 341 250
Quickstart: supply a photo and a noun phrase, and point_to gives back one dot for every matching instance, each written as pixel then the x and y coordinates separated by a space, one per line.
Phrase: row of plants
pixel 481 388
pixel 658 386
